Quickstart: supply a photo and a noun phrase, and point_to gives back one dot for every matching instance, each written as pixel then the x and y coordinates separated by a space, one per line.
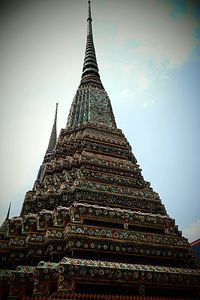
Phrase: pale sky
pixel 149 59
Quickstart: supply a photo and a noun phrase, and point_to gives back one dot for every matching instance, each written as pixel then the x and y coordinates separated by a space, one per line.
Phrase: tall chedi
pixel 92 227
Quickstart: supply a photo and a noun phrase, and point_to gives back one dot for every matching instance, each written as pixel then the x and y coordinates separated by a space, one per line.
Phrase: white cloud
pixel 148 103
pixel 150 40
pixel 193 231
pixel 126 93
pixel 127 68
pixel 143 82
pixel 165 39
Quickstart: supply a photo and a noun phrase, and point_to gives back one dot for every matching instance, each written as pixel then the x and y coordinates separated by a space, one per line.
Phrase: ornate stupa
pixel 92 227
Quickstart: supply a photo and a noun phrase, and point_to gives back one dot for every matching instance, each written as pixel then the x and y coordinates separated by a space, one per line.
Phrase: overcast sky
pixel 149 59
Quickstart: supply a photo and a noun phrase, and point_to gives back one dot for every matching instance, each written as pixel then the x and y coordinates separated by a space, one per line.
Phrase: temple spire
pixel 4 228
pixel 90 67
pixel 8 213
pixel 50 148
pixel 91 104
pixel 53 136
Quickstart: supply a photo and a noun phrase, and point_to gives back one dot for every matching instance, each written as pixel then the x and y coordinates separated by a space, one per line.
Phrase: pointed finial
pixel 89 19
pixel 8 213
pixel 89 10
pixel 55 118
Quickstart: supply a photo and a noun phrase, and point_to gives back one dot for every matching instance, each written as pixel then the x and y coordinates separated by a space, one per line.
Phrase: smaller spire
pixel 53 136
pixel 50 148
pixel 8 213
pixel 4 228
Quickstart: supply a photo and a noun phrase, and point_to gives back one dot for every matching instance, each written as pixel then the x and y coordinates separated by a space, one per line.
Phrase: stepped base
pixel 80 276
